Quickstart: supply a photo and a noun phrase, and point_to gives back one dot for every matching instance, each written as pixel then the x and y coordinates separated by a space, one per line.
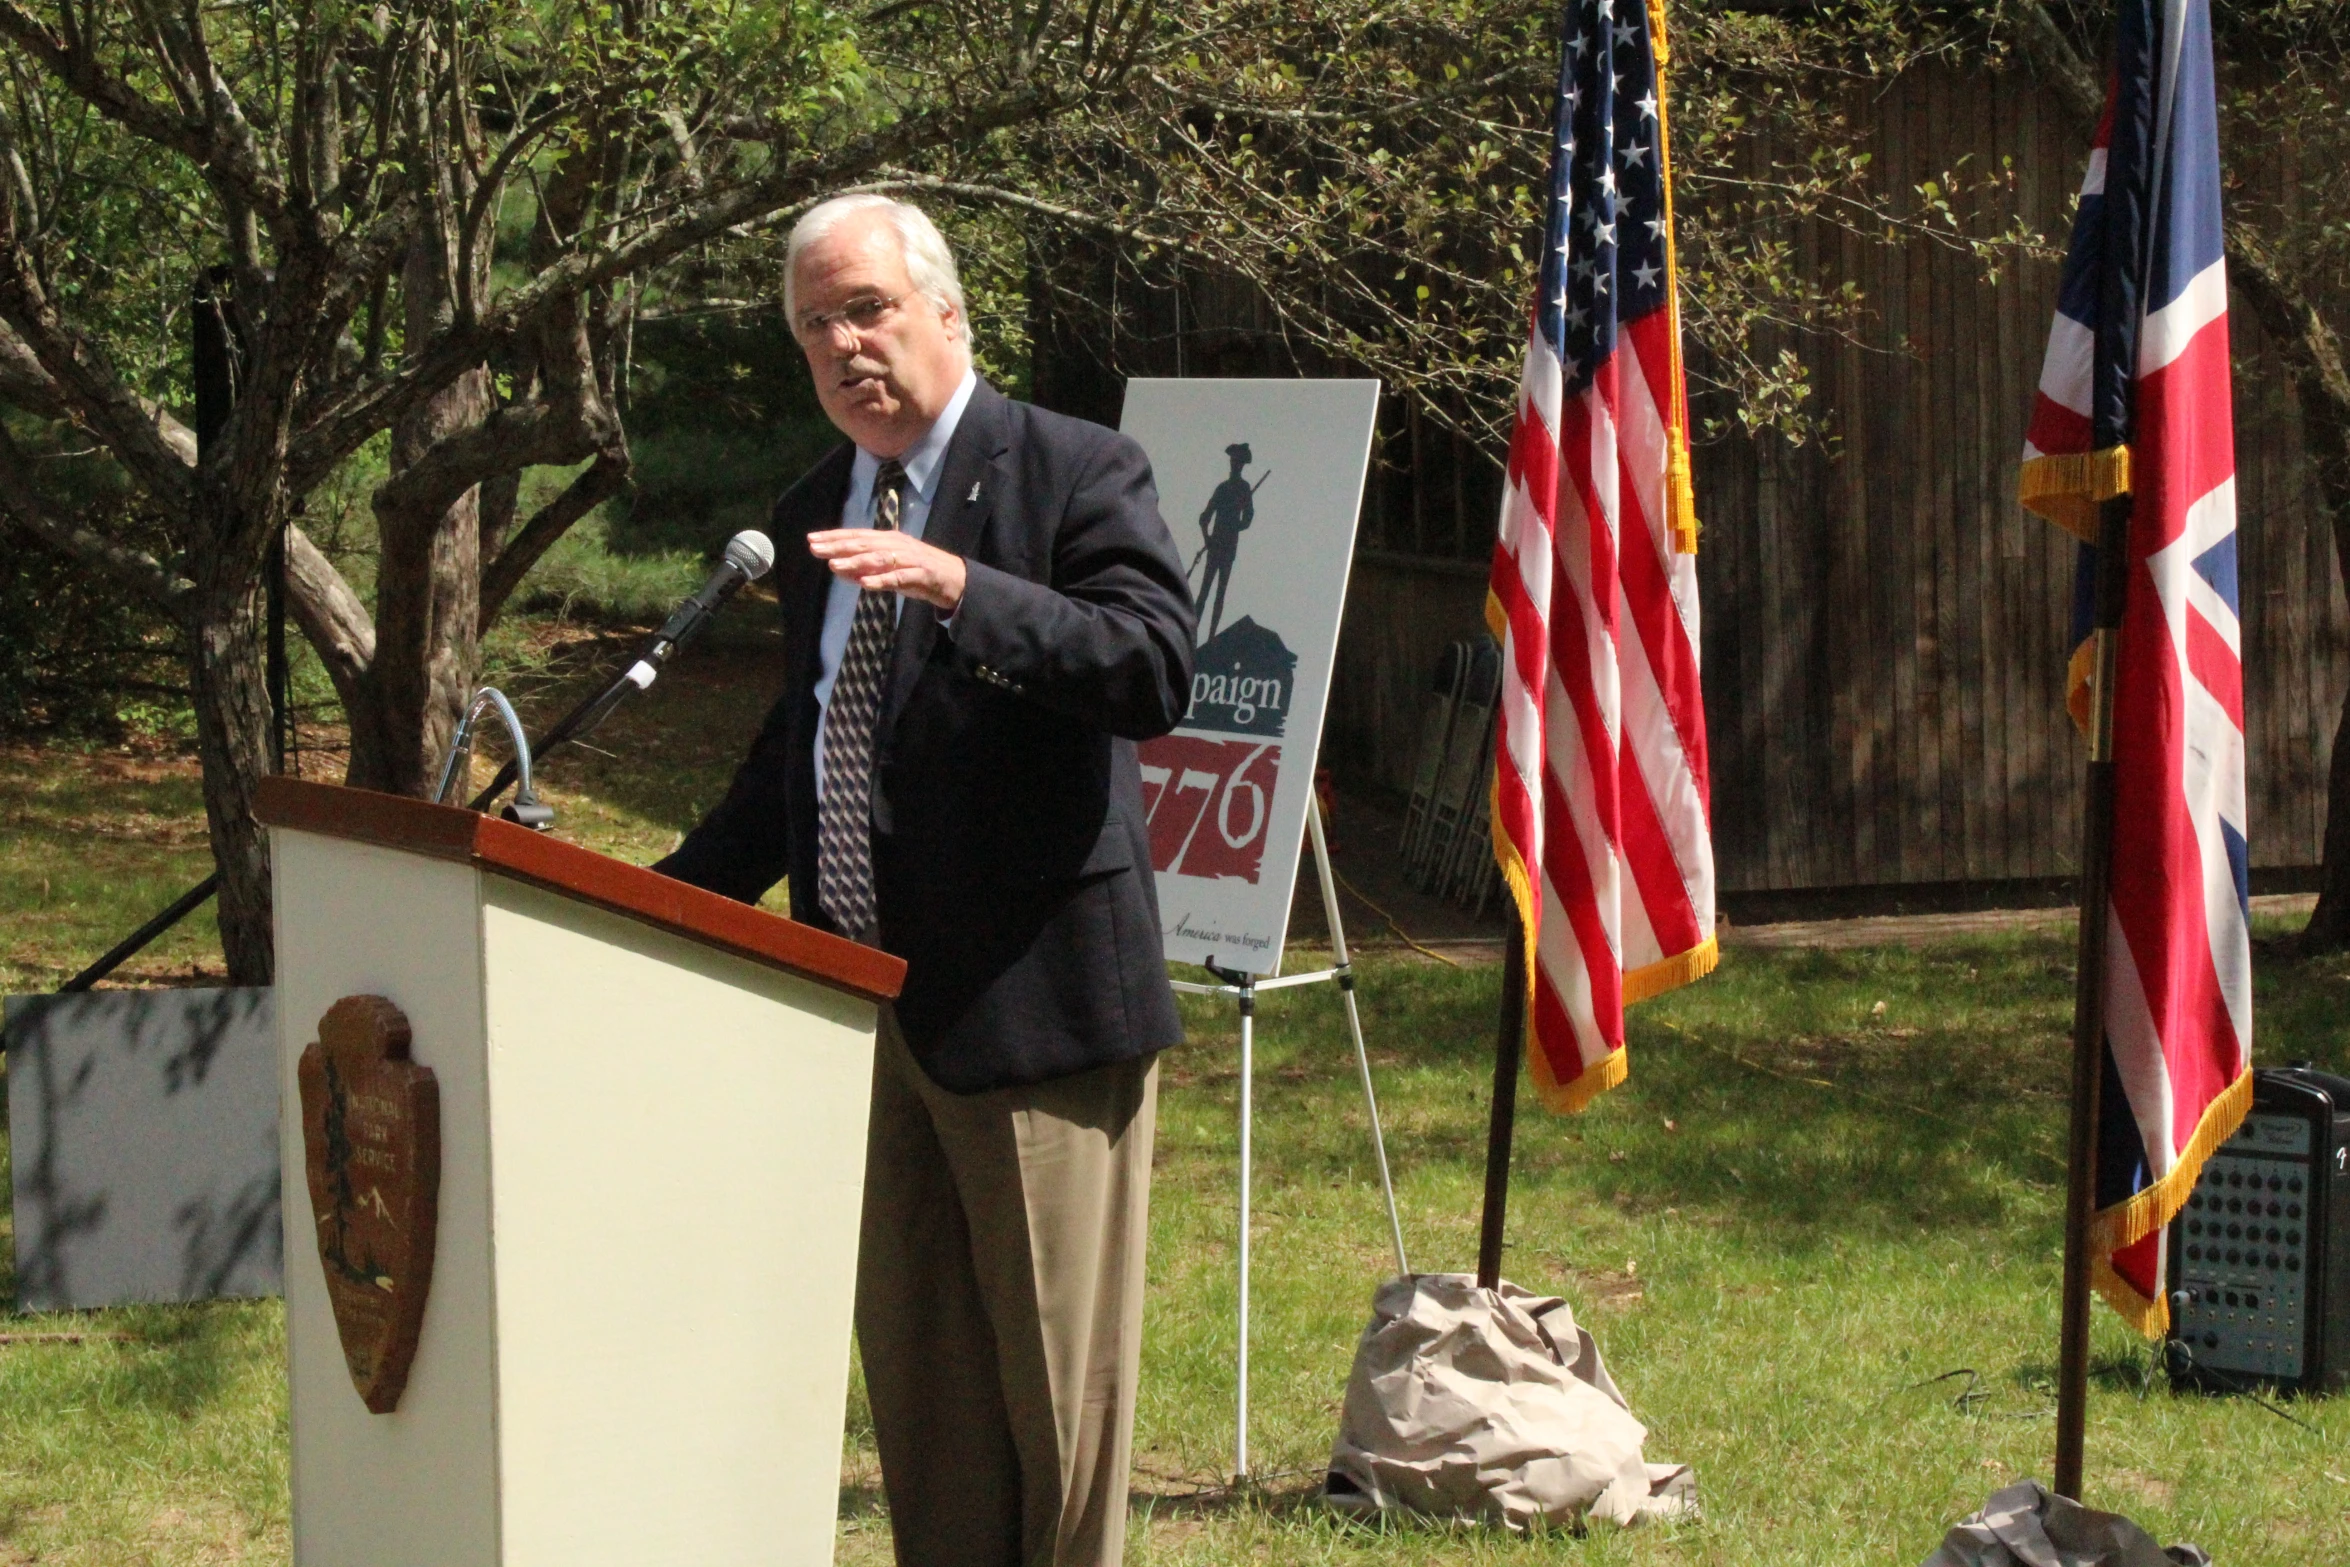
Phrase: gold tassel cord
pixel 2068 488
pixel 2080 682
pixel 1680 482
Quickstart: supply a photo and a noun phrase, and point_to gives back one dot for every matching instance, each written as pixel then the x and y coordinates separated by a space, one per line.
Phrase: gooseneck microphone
pixel 748 557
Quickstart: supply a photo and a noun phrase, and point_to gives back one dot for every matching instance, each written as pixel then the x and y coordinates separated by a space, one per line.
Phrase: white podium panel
pixel 634 1352
pixel 697 1186
pixel 420 1485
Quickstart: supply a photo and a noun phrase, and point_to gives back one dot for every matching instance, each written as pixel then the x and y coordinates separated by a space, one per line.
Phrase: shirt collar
pixel 928 456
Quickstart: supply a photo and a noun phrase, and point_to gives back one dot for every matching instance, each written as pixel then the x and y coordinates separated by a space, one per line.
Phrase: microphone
pixel 748 557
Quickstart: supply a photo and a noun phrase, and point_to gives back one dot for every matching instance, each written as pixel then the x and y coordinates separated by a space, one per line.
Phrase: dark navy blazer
pixel 1011 856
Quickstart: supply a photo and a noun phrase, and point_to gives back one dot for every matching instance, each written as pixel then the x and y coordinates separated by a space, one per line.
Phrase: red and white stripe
pixel 1601 812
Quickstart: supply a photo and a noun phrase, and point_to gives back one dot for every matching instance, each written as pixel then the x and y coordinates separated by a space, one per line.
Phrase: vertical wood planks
pixel 1888 630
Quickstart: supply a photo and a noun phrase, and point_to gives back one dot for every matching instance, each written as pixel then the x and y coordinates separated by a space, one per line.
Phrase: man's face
pixel 886 382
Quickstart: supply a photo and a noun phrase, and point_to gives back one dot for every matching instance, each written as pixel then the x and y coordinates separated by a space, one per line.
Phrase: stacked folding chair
pixel 1444 700
pixel 1445 825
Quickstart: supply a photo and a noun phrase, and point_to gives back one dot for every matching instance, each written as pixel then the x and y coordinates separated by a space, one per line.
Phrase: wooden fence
pixel 1886 630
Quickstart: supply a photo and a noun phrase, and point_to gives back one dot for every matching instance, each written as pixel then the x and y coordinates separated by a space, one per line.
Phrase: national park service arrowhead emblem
pixel 371 1146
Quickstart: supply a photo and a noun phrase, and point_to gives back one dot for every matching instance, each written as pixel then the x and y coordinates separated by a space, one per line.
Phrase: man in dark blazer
pixel 983 611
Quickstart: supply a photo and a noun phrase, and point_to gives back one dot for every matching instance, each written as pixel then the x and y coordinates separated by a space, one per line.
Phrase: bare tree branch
pixel 87 383
pixel 747 203
pixel 21 501
pixel 2049 48
pixel 520 435
pixel 331 615
pixel 602 479
pixel 222 143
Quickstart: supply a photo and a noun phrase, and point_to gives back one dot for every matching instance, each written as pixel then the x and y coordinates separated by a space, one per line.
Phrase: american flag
pixel 2146 281
pixel 1600 812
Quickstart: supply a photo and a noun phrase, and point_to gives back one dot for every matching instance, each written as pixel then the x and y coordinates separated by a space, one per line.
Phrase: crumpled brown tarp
pixel 2026 1525
pixel 1491 1404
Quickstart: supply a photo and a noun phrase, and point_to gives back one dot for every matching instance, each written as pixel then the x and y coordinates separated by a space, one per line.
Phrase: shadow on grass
pixel 181 1357
pixel 2136 1371
pixel 1295 1499
pixel 1813 1097
pixel 176 1360
pixel 2302 1006
pixel 1286 1494
pixel 1810 1095
pixel 862 1502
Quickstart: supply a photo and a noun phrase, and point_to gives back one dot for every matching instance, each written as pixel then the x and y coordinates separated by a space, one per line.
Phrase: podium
pixel 639 1264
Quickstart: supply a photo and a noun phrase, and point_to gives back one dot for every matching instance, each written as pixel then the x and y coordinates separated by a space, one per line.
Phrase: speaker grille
pixel 2248 1249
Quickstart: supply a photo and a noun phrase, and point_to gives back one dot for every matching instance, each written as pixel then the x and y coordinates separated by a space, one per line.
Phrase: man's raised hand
pixel 879 561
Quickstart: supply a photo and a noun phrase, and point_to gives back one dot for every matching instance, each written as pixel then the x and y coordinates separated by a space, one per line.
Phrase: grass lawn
pixel 1816 1234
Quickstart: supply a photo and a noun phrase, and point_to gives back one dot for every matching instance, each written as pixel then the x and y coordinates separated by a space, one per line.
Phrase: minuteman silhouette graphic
pixel 1230 510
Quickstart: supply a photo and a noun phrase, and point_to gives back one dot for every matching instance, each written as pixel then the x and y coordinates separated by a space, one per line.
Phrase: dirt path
pixel 1887 930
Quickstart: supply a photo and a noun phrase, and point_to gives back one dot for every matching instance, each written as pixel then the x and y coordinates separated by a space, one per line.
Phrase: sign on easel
pixel 1261 482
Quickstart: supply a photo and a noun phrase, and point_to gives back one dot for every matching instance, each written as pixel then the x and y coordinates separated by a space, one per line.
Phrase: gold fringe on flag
pixel 2067 488
pixel 1680 486
pixel 2127 1223
pixel 1671 973
pixel 1576 1094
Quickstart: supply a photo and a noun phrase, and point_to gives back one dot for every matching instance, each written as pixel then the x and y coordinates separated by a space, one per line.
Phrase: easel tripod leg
pixel 1248 1018
pixel 1354 1025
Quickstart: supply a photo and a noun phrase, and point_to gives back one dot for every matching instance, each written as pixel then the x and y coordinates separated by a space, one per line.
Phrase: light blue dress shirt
pixel 922 465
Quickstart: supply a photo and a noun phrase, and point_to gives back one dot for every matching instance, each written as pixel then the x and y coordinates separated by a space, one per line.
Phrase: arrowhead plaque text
pixel 371 1143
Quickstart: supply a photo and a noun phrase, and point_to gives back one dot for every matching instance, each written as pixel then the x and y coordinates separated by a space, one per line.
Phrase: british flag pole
pixel 2131 449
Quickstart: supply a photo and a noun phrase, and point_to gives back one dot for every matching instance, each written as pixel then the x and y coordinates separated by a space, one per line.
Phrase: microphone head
pixel 750 552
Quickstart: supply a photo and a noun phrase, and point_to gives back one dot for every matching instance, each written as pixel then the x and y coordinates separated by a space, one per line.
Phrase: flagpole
pixel 2072 1374
pixel 1502 1129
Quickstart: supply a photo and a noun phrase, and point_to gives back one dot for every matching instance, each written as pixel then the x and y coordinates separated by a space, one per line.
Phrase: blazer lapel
pixel 959 510
pixel 803 581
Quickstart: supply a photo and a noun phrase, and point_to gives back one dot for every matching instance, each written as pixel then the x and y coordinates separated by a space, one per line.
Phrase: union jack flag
pixel 2134 399
pixel 1600 811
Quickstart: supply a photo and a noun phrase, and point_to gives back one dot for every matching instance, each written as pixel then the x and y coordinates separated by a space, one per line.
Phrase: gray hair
pixel 929 264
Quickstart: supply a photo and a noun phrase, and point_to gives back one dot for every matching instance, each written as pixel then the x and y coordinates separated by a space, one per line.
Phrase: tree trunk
pixel 229 685
pixel 428 583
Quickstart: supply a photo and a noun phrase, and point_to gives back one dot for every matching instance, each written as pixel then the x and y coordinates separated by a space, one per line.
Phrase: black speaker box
pixel 2260 1255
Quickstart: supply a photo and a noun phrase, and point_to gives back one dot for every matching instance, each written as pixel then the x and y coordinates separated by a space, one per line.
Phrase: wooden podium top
pixel 444 832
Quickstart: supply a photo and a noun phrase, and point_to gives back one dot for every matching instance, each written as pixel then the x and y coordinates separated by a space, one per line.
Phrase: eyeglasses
pixel 862 315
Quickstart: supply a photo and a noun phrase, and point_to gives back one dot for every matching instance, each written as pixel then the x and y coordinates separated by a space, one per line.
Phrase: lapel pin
pixel 972 499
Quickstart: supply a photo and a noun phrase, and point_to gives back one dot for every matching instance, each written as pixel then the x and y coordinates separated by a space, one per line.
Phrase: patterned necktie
pixel 844 817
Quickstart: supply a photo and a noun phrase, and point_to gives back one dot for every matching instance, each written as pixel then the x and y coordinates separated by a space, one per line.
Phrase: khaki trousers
pixel 999 1309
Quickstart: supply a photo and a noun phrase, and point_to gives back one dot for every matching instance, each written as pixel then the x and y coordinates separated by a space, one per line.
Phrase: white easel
pixel 1244 988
